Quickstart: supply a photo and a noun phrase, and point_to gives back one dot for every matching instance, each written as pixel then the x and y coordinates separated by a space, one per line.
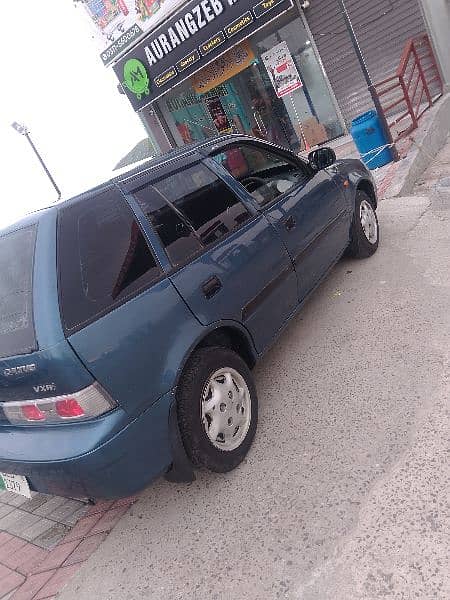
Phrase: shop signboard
pixel 282 70
pixel 193 37
pixel 117 24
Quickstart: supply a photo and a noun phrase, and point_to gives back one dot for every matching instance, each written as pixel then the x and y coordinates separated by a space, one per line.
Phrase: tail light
pixel 91 402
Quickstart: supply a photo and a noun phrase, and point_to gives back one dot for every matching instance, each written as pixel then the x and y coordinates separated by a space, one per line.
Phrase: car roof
pixel 26 221
pixel 204 147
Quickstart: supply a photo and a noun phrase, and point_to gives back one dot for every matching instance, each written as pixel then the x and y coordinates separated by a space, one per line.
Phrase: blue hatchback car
pixel 131 316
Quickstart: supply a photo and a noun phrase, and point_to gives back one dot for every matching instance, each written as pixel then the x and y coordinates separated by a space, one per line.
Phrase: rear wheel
pixel 217 409
pixel 365 230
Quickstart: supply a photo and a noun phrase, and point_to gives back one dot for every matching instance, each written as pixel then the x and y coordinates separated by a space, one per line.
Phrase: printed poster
pixel 116 24
pixel 218 115
pixel 282 70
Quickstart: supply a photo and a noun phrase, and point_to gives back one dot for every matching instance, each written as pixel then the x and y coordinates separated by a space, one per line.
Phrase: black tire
pixel 360 246
pixel 197 373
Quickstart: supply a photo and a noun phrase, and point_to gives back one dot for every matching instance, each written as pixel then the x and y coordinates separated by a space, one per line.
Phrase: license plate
pixel 15 483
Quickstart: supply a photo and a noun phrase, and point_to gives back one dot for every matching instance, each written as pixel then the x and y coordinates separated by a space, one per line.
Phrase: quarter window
pixel 207 208
pixel 103 257
pixel 266 175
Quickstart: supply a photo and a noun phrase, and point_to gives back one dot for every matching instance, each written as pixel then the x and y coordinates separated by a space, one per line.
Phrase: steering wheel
pixel 253 183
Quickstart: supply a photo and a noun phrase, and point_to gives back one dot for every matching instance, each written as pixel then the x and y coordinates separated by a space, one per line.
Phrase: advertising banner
pixel 231 63
pixel 192 38
pixel 117 24
pixel 282 70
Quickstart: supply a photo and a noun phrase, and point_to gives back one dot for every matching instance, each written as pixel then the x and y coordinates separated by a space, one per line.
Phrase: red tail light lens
pixel 32 413
pixel 69 409
pixel 89 403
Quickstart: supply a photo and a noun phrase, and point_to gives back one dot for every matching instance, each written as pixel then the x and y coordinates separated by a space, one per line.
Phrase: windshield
pixel 16 306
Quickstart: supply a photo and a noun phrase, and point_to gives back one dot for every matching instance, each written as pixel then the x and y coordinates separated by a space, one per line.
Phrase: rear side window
pixel 103 257
pixel 177 236
pixel 209 207
pixel 16 296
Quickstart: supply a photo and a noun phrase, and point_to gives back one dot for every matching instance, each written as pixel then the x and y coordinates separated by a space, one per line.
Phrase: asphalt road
pixel 343 494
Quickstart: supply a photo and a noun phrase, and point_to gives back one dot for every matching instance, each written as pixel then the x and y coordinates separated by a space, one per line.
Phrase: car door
pixel 226 260
pixel 307 208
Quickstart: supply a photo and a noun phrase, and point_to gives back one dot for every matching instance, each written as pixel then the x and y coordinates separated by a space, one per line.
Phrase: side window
pixel 264 173
pixel 177 236
pixel 209 208
pixel 103 257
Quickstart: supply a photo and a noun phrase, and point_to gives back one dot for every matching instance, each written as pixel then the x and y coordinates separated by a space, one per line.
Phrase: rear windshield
pixel 16 300
pixel 103 258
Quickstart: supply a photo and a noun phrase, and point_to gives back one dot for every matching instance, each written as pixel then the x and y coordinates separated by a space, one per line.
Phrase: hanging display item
pixel 282 70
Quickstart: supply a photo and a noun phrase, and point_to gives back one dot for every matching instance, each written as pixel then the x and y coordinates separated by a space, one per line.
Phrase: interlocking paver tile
pixel 83 527
pixel 85 549
pixel 76 516
pixel 4 538
pixel 32 586
pixel 11 546
pixel 14 499
pixel 5 509
pixel 53 536
pixel 65 510
pixel 50 506
pixel 57 582
pixel 109 520
pixel 25 558
pixel 10 582
pixel 37 529
pixel 17 521
pixel 35 502
pixel 4 571
pixel 10 518
pixel 56 557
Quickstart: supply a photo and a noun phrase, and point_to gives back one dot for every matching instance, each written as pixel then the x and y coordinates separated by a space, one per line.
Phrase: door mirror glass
pixel 322 158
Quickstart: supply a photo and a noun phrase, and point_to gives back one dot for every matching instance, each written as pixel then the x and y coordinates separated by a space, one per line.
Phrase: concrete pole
pixel 367 77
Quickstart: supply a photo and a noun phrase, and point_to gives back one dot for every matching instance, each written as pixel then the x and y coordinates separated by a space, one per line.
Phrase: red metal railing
pixel 414 88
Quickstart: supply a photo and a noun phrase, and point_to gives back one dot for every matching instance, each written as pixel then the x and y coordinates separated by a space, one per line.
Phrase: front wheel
pixel 217 409
pixel 365 230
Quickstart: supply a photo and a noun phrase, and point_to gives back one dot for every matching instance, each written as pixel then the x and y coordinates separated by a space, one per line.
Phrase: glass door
pixel 248 103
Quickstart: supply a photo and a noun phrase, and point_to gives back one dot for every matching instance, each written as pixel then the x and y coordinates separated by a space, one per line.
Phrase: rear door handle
pixel 211 287
pixel 290 223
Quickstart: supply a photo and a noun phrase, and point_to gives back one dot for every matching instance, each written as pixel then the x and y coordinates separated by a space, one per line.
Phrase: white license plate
pixel 15 483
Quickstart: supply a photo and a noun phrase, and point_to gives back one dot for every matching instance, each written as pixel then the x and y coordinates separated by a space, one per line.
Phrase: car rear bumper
pixel 107 458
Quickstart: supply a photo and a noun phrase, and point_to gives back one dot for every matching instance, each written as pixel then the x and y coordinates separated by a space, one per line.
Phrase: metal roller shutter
pixel 382 28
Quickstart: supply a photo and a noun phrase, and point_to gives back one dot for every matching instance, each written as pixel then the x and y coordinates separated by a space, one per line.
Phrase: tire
pixel 199 409
pixel 360 244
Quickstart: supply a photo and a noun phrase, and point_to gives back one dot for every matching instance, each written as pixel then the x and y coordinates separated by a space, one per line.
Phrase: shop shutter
pixel 382 28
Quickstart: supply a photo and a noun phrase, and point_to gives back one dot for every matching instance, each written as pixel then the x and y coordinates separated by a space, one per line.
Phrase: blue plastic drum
pixel 369 137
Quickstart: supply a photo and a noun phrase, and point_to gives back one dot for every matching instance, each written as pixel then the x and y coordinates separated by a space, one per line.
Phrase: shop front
pixel 251 68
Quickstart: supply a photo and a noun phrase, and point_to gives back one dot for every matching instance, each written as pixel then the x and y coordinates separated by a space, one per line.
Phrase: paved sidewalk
pixel 45 540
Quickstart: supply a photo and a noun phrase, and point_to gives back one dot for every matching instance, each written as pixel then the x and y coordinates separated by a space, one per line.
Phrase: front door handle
pixel 211 287
pixel 290 223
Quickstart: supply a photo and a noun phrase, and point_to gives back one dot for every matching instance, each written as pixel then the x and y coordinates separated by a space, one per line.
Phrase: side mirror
pixel 322 158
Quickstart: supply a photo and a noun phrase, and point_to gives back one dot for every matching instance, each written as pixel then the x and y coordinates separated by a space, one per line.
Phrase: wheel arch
pixel 231 337
pixel 366 186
